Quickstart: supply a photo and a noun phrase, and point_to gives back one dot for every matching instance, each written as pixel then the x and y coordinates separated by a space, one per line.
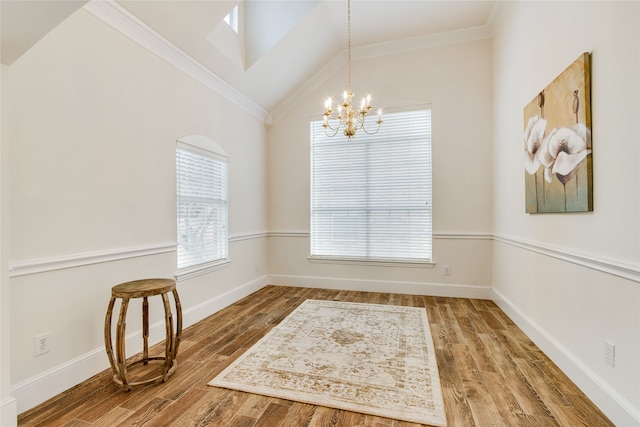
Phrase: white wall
pixel 456 80
pixel 8 406
pixel 94 123
pixel 572 280
pixel 88 183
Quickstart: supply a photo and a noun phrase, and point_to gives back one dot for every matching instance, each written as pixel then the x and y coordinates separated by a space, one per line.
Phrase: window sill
pixel 201 269
pixel 406 263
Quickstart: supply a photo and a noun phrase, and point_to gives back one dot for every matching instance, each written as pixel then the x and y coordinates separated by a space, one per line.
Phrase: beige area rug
pixel 369 358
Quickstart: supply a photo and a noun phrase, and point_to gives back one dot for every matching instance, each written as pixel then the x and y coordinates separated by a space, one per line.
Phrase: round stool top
pixel 143 288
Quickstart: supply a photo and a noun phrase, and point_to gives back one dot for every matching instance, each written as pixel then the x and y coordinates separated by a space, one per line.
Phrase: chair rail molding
pixel 23 268
pixel 442 236
pixel 615 268
pixel 247 236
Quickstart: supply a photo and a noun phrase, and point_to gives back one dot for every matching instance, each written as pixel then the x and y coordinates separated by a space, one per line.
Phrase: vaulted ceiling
pixel 280 45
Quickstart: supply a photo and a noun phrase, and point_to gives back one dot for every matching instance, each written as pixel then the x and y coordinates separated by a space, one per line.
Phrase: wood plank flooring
pixel 491 374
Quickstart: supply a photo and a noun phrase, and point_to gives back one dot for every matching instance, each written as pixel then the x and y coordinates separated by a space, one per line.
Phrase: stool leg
pixel 176 343
pixel 108 341
pixel 120 339
pixel 169 342
pixel 145 331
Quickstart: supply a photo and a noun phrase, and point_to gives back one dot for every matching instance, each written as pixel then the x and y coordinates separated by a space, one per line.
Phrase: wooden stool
pixel 143 289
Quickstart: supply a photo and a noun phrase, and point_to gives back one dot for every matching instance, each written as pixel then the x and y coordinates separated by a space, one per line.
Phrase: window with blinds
pixel 371 196
pixel 202 207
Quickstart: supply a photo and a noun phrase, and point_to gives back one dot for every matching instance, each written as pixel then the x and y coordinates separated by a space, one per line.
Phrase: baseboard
pixel 207 308
pixel 8 412
pixel 36 390
pixel 616 407
pixel 370 285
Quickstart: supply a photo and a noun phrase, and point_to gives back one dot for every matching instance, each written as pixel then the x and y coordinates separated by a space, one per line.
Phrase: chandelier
pixel 349 118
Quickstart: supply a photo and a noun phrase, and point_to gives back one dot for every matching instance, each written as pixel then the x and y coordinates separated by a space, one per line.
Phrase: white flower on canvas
pixel 563 150
pixel 533 140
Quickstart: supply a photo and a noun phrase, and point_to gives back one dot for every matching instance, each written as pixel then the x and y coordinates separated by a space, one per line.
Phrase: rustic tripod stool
pixel 143 289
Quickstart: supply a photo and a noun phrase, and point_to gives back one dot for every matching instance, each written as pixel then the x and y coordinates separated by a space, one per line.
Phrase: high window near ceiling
pixel 232 19
pixel 371 196
pixel 202 208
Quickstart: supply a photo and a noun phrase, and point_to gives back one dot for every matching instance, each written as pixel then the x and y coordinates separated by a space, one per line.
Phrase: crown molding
pixel 333 66
pixel 376 50
pixel 427 41
pixel 496 12
pixel 129 25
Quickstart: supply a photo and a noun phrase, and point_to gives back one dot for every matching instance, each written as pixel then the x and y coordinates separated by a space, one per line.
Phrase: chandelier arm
pixel 334 133
pixel 327 124
pixel 374 132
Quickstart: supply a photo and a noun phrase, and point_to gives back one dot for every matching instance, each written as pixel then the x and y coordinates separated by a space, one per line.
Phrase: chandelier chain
pixel 349 45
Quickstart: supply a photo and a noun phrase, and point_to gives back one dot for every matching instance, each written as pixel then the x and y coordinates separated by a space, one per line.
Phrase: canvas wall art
pixel 557 143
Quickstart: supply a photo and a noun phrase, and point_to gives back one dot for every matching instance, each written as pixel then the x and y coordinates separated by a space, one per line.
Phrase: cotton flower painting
pixel 557 144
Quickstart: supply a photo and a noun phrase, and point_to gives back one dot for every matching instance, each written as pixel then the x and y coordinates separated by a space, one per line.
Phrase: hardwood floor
pixel 491 374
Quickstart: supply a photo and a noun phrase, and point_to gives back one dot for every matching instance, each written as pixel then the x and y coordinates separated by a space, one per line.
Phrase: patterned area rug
pixel 368 358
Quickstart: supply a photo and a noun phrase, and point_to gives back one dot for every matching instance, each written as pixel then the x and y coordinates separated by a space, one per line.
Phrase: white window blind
pixel 202 208
pixel 371 196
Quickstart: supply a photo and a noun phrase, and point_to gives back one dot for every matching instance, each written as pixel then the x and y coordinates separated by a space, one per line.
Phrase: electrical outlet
pixel 41 344
pixel 446 270
pixel 609 352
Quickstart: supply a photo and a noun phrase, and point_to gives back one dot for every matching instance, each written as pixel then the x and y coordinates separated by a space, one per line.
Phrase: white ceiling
pixel 285 43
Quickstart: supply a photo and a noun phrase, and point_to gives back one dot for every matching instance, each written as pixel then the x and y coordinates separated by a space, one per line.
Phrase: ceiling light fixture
pixel 349 118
